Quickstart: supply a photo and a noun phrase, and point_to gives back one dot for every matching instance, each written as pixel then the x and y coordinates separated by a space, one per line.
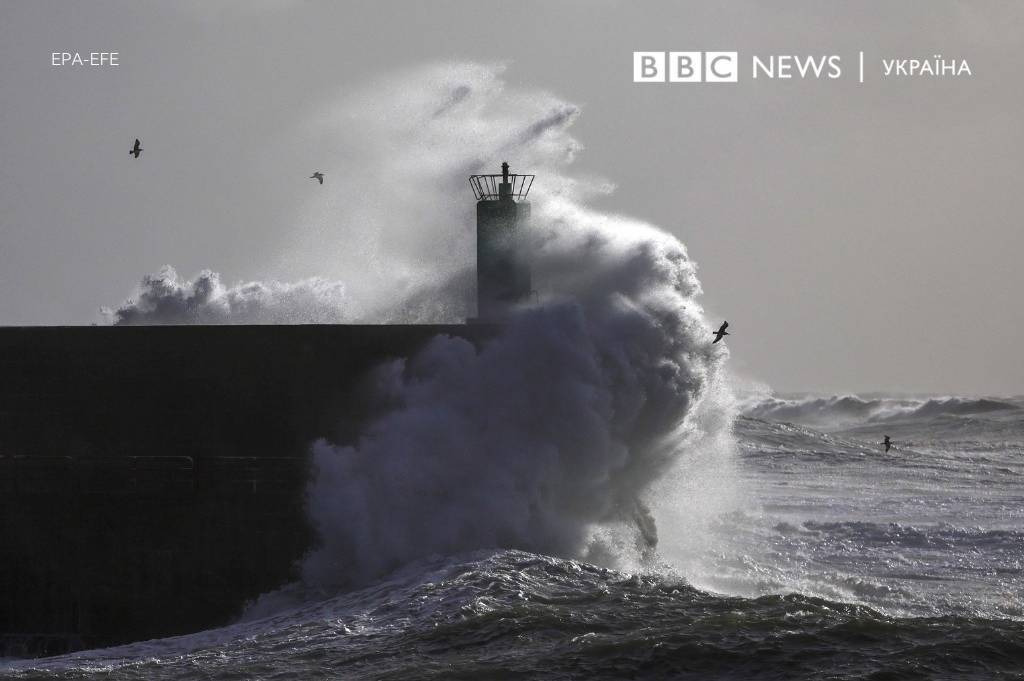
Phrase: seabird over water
pixel 721 332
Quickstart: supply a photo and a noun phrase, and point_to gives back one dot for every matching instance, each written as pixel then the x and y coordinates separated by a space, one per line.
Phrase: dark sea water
pixel 842 562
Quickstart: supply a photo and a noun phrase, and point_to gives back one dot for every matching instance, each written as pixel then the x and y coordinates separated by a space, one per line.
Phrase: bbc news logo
pixel 723 67
pixel 685 67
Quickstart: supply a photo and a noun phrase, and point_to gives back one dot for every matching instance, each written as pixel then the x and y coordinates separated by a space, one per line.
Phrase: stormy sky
pixel 856 237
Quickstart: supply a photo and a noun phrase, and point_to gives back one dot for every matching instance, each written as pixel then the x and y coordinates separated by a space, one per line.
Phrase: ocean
pixel 836 560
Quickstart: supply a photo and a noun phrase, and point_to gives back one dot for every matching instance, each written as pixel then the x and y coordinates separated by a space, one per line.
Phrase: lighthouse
pixel 502 220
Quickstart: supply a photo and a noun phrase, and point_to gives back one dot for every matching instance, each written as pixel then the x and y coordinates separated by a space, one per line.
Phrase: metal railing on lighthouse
pixel 509 186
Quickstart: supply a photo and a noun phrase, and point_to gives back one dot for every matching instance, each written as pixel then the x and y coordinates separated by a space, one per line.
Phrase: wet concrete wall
pixel 152 478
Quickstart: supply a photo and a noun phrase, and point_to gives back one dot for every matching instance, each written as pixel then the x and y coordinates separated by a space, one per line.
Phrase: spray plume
pixel 573 430
pixel 551 436
pixel 163 298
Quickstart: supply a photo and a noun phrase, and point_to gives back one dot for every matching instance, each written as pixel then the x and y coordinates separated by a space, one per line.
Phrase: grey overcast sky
pixel 856 237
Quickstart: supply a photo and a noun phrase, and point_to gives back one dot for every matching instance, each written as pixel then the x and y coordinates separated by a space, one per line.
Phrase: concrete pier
pixel 152 478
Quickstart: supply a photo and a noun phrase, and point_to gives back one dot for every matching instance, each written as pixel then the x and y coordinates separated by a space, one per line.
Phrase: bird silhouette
pixel 137 149
pixel 317 176
pixel 721 332
pixel 887 443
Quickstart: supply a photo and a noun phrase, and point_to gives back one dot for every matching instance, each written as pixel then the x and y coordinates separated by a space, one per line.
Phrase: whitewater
pixel 590 494
pixel 844 563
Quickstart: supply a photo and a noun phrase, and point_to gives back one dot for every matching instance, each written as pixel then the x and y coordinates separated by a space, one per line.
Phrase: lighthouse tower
pixel 502 218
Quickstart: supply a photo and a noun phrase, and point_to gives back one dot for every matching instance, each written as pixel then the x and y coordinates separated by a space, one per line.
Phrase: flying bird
pixel 887 443
pixel 317 176
pixel 137 149
pixel 721 332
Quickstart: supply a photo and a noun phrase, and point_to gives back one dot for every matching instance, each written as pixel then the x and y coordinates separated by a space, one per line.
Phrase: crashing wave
pixel 841 411
pixel 550 437
pixel 163 298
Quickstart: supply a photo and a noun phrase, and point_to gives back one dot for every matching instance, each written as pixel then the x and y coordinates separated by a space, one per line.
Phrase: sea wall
pixel 152 478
